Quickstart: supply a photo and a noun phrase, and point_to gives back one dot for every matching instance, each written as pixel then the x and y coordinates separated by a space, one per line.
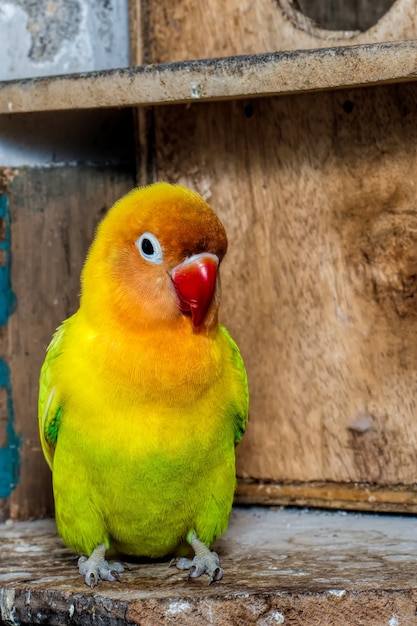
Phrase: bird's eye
pixel 149 248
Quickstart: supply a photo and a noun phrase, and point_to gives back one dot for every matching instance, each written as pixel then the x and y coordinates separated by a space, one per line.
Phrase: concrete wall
pixel 47 37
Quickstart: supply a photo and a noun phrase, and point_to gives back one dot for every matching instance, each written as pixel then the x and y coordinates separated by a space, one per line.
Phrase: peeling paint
pixel 50 23
pixel 176 608
pixel 9 454
pixel 7 297
pixel 48 37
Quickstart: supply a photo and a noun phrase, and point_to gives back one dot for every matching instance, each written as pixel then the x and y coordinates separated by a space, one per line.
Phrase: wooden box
pixel 310 158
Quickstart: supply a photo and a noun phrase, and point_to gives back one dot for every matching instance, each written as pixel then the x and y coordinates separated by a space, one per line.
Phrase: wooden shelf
pixel 296 566
pixel 330 495
pixel 216 79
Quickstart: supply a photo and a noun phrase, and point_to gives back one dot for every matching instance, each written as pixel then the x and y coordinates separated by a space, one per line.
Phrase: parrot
pixel 143 394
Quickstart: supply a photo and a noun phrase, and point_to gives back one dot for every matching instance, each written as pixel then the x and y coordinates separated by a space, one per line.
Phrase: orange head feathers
pixel 155 259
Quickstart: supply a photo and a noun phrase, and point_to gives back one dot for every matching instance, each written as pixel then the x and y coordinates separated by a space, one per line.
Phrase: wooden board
pixel 53 214
pixel 330 495
pixel 316 192
pixel 275 73
pixel 175 31
pixel 296 567
pixel 317 195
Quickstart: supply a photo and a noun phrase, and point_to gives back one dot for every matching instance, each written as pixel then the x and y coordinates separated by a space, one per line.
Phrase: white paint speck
pixel 7 607
pixel 178 607
pixel 338 593
pixel 10 106
pixel 393 621
pixel 27 547
pixel 196 90
pixel 71 610
pixel 9 576
pixel 292 572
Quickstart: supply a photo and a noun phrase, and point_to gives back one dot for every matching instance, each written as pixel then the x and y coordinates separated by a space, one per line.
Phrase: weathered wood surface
pixel 345 14
pixel 331 495
pixel 54 212
pixel 317 195
pixel 300 567
pixel 216 79
pixel 182 30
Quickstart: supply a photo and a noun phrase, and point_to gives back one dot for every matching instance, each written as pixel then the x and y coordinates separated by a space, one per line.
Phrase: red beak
pixel 195 283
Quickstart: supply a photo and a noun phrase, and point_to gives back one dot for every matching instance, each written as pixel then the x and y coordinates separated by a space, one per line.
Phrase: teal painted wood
pixel 9 454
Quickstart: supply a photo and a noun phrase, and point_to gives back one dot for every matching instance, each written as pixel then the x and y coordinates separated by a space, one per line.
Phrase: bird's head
pixel 155 258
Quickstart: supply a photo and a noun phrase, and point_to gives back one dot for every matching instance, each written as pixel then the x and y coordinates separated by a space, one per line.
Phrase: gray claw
pixel 216 575
pixel 115 575
pixel 197 569
pixel 207 564
pixel 96 568
pixel 182 563
pixel 91 579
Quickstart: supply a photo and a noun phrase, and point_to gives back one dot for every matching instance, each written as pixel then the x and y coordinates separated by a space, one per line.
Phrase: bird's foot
pixel 96 567
pixel 204 562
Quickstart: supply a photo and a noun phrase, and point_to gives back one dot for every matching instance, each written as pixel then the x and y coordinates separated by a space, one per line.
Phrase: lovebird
pixel 143 393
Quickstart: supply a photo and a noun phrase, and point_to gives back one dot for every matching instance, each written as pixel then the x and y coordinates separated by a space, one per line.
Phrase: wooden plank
pixel 299 432
pixel 330 495
pixel 9 439
pixel 216 79
pixel 54 212
pixel 182 30
pixel 317 195
pixel 280 567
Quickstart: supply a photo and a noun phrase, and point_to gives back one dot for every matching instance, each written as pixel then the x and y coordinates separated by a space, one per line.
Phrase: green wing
pixel 241 393
pixel 49 406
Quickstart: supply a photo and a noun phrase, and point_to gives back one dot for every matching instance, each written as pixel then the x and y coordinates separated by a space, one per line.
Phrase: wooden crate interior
pixel 316 191
pixel 307 149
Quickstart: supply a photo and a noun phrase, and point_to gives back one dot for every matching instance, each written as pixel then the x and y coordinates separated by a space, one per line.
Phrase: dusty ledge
pixel 281 566
pixel 246 76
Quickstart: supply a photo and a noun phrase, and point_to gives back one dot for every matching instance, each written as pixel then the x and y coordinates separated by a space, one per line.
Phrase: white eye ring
pixel 149 248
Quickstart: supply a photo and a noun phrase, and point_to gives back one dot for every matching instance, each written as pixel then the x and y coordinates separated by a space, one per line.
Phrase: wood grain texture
pixel 317 195
pixel 191 30
pixel 238 77
pixel 280 567
pixel 54 214
pixel 330 495
pixel 345 14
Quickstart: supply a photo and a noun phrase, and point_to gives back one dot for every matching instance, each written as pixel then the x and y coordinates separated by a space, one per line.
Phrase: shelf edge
pixel 251 76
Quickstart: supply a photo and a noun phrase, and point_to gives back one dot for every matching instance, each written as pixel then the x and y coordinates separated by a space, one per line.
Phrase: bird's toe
pixel 94 569
pixel 207 564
